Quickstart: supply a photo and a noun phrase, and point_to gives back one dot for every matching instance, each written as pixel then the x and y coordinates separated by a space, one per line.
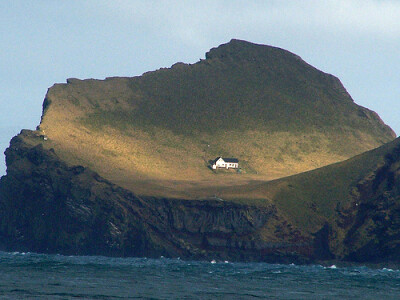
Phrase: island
pixel 121 166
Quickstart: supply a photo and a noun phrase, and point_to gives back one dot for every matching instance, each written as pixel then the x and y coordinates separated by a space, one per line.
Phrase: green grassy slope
pixel 242 86
pixel 311 198
pixel 155 133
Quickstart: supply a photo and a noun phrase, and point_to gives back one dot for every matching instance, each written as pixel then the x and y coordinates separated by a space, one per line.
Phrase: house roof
pixel 226 159
pixel 215 160
pixel 230 160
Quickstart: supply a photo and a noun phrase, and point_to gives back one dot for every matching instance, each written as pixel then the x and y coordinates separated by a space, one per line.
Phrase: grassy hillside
pixel 311 198
pixel 154 134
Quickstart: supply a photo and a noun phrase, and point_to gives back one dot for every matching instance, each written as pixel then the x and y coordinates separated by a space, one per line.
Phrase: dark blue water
pixel 35 276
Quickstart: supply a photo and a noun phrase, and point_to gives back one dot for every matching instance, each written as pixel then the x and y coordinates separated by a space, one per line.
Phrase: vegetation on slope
pixel 312 198
pixel 154 134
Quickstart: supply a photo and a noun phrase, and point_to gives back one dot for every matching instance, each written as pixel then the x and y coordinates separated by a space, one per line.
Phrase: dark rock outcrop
pixel 371 222
pixel 47 206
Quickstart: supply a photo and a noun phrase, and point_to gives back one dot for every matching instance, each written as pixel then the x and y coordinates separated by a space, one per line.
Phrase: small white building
pixel 227 163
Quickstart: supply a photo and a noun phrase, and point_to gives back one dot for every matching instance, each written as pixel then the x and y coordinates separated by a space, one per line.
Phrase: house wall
pixel 222 164
pixel 232 165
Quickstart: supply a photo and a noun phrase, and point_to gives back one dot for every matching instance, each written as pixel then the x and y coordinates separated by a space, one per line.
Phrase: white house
pixel 227 163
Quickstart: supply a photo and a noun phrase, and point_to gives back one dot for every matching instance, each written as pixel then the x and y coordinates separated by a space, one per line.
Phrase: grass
pixel 154 134
pixel 310 198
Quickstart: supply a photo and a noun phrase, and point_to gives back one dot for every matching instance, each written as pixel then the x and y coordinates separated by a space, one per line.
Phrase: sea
pixel 40 276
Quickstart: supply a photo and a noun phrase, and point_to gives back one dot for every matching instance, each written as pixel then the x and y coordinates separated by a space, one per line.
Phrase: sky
pixel 44 42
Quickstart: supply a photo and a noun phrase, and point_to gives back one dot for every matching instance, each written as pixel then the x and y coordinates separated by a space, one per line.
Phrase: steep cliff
pixel 358 200
pixel 369 225
pixel 46 206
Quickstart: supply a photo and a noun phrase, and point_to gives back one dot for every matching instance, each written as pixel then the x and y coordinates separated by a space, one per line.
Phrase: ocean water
pixel 39 276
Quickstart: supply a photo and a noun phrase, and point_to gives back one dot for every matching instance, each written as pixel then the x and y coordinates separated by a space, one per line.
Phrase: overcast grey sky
pixel 47 41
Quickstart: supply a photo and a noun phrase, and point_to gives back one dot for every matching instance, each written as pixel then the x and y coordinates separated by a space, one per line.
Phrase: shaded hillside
pixel 154 134
pixel 358 199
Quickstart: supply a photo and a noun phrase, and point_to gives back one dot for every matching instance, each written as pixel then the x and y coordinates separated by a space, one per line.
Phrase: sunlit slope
pixel 156 133
pixel 312 198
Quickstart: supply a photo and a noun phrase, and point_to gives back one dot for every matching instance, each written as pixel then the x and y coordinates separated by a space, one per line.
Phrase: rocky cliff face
pixel 370 225
pixel 47 206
